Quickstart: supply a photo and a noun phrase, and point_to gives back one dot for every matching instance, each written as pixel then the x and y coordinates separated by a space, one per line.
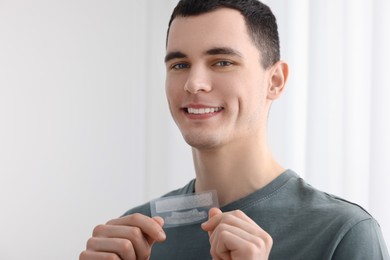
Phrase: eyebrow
pixel 212 51
pixel 174 55
pixel 224 51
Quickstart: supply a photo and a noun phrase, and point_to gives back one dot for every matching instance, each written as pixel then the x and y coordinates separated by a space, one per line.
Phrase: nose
pixel 198 81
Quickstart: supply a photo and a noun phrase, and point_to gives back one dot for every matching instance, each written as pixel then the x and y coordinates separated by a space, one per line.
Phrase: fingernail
pixel 161 236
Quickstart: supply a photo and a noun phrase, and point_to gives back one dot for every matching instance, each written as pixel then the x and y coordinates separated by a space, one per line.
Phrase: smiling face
pixel 215 84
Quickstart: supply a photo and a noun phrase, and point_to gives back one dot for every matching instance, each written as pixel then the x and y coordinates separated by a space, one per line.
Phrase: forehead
pixel 223 27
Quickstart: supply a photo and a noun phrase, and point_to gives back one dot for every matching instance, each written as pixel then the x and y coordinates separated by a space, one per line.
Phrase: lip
pixel 209 111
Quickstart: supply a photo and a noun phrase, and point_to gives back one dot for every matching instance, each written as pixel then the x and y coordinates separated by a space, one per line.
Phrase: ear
pixel 277 79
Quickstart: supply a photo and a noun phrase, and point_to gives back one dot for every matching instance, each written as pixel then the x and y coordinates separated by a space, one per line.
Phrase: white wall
pixel 85 132
pixel 72 81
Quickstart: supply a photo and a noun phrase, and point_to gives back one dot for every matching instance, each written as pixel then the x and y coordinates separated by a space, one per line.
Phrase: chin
pixel 203 142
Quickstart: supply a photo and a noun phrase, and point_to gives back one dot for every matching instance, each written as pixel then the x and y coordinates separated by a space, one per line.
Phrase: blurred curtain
pixel 333 124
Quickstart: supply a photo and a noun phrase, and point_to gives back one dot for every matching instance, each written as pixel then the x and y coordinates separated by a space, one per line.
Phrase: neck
pixel 236 170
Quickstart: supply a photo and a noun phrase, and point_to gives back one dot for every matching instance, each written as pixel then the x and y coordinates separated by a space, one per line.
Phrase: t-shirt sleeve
pixel 142 209
pixel 363 241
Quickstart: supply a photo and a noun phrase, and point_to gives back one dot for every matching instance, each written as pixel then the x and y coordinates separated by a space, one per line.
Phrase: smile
pixel 202 111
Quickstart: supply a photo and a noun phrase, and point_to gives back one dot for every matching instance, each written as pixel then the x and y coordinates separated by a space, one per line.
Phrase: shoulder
pixel 144 209
pixel 305 196
pixel 349 224
pixel 338 227
pixel 314 211
pixel 363 240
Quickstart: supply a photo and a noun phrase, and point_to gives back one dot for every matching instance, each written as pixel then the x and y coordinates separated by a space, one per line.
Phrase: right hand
pixel 127 238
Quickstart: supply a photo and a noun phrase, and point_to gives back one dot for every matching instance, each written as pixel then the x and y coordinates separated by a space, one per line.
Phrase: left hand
pixel 234 236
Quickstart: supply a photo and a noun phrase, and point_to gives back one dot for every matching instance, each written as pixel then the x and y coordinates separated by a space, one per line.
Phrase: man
pixel 223 72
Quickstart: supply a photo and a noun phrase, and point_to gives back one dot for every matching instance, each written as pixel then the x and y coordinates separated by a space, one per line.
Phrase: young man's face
pixel 215 84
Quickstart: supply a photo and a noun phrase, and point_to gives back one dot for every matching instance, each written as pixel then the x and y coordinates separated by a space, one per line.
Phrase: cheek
pixel 175 95
pixel 170 89
pixel 253 99
pixel 257 89
pixel 174 84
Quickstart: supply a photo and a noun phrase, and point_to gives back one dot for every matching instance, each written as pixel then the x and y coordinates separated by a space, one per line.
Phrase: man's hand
pixel 127 238
pixel 234 236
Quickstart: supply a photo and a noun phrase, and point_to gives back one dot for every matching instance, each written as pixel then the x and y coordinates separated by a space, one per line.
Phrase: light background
pixel 85 132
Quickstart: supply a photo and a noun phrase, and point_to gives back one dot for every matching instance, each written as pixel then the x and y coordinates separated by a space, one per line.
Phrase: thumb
pixel 214 211
pixel 159 220
pixel 210 224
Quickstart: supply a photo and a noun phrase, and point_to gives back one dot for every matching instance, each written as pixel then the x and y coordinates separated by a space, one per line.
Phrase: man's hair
pixel 259 19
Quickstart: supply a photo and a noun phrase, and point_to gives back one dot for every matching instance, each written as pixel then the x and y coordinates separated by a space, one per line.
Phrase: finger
pixel 230 246
pixel 139 244
pixel 218 251
pixel 152 227
pixel 121 247
pixel 91 255
pixel 234 218
pixel 222 229
pixel 213 215
pixel 159 220
pixel 213 212
pixel 235 241
pixel 240 248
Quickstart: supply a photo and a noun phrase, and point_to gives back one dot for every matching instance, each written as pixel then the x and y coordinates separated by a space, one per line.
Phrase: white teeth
pixel 208 110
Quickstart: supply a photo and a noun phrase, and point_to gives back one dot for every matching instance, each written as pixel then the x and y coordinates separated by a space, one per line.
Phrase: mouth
pixel 202 111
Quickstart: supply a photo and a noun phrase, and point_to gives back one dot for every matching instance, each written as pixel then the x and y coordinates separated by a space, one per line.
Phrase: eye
pixel 180 66
pixel 223 63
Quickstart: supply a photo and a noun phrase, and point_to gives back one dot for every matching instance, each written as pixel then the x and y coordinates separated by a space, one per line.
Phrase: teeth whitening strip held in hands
pixel 184 209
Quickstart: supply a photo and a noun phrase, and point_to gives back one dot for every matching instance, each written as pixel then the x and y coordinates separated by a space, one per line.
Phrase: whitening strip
pixel 184 209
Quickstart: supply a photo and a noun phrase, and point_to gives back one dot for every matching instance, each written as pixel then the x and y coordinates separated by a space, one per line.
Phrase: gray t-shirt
pixel 305 223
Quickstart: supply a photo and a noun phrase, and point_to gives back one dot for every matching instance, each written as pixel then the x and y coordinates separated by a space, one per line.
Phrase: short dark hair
pixel 259 19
